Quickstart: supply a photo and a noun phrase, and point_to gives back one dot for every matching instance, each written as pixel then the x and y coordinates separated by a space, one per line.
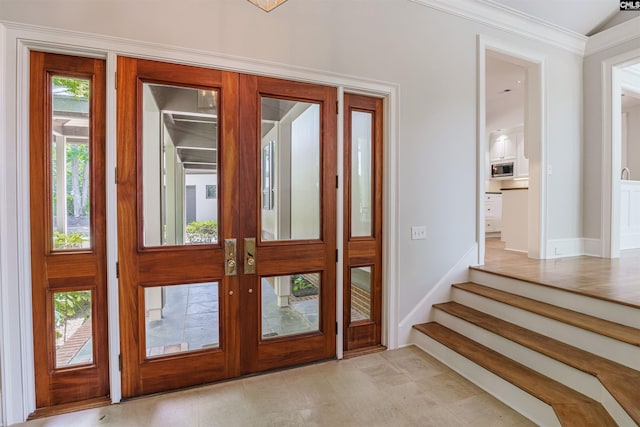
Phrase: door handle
pixel 250 255
pixel 230 265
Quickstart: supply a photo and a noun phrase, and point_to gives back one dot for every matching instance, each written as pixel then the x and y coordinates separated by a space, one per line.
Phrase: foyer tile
pixel 404 387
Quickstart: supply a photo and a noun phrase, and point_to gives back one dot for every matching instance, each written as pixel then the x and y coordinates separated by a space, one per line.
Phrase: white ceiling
pixel 505 93
pixel 580 16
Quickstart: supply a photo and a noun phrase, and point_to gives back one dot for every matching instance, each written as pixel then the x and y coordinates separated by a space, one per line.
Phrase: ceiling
pixel 580 16
pixel 504 95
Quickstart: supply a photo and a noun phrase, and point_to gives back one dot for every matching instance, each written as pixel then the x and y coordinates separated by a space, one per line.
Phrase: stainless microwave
pixel 502 170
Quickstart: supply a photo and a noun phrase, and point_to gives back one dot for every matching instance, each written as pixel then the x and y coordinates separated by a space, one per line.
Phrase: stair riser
pixel 606 347
pixel 607 310
pixel 522 402
pixel 578 380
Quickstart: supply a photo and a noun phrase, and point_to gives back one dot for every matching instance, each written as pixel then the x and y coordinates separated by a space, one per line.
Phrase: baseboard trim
pixel 562 248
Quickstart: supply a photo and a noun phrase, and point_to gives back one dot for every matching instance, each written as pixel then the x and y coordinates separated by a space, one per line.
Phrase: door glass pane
pixel 73 328
pixel 360 293
pixel 181 318
pixel 70 159
pixel 361 189
pixel 179 165
pixel 290 304
pixel 290 170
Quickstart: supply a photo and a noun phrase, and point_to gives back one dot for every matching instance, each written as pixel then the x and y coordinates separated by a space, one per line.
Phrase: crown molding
pixel 613 36
pixel 508 19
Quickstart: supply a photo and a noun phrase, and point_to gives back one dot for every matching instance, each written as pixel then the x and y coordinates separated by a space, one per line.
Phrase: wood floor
pixel 615 280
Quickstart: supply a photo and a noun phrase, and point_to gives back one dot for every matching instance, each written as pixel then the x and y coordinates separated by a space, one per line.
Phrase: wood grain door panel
pixel 363 250
pixel 83 268
pixel 285 257
pixel 142 267
pixel 242 348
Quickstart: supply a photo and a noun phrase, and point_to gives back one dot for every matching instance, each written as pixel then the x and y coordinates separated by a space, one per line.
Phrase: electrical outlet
pixel 418 232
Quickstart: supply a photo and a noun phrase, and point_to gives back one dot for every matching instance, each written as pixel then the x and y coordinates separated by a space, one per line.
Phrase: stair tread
pixel 571 407
pixel 621 381
pixel 627 334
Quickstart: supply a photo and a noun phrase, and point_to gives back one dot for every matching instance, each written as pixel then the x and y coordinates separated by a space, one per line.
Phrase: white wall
pixel 206 209
pixel 151 178
pixel 305 174
pixel 431 55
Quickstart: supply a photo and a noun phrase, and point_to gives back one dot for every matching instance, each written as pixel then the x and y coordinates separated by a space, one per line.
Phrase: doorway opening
pixel 511 160
pixel 628 108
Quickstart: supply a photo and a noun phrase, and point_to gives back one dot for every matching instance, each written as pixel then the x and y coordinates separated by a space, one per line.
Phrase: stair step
pixel 623 333
pixel 621 381
pixel 571 408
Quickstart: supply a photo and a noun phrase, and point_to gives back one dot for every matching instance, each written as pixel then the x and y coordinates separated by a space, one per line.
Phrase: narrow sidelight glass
pixel 360 293
pixel 70 163
pixel 361 179
pixel 73 328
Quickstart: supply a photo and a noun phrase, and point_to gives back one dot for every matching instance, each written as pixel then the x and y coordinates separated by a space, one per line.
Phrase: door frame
pixel 535 130
pixel 611 107
pixel 16 40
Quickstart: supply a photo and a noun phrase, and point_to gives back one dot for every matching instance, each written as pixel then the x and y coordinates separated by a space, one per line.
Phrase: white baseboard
pixel 561 248
pixel 441 292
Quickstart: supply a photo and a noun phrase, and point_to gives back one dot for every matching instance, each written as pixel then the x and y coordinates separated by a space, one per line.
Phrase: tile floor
pixel 404 387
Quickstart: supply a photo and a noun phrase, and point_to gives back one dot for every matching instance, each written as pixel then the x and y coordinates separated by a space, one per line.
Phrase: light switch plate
pixel 418 232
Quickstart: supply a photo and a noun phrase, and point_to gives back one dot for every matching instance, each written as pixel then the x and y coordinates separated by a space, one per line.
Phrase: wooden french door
pixel 68 229
pixel 362 223
pixel 213 298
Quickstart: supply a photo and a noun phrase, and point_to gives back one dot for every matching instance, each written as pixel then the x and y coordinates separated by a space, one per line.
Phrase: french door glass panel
pixel 181 318
pixel 180 165
pixel 290 175
pixel 290 305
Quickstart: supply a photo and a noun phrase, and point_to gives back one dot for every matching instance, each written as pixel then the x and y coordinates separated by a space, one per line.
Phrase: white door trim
pixel 16 339
pixel 535 123
pixel 611 89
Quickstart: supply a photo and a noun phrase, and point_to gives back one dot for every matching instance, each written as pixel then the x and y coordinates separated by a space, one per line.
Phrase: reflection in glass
pixel 290 304
pixel 360 293
pixel 180 165
pixel 361 189
pixel 290 170
pixel 181 318
pixel 70 163
pixel 73 328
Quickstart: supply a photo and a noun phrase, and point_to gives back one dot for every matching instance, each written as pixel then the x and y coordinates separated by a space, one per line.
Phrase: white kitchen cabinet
pixel 492 212
pixel 502 147
pixel 509 146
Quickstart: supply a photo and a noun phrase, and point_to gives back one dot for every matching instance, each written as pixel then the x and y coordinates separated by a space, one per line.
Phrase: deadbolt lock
pixel 230 257
pixel 250 255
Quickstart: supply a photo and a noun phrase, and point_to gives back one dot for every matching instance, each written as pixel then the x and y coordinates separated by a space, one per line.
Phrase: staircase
pixel 557 357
